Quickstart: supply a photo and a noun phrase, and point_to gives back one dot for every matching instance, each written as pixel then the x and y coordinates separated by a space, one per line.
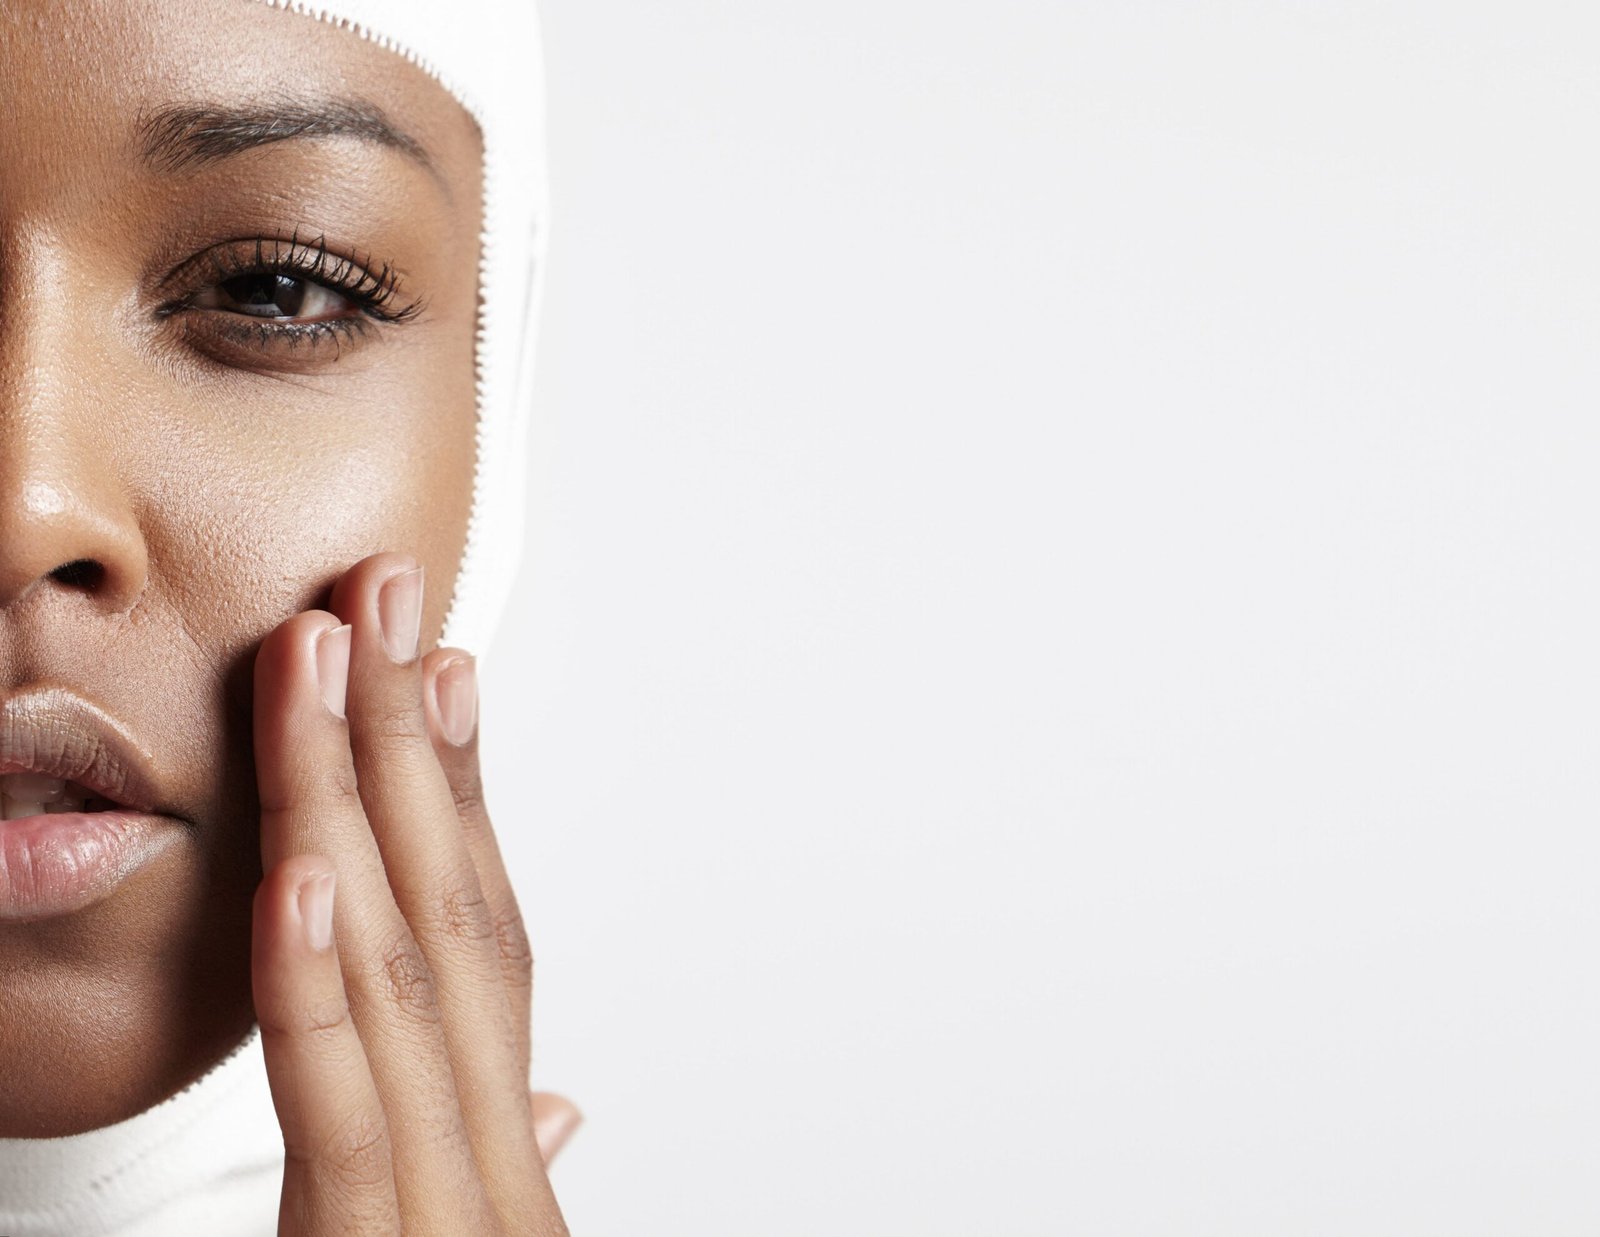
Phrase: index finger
pixel 338 1172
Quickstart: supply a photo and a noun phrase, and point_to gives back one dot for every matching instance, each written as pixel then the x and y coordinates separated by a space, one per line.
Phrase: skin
pixel 236 492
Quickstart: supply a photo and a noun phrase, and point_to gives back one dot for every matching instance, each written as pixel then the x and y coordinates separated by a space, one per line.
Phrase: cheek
pixel 258 520
pixel 251 510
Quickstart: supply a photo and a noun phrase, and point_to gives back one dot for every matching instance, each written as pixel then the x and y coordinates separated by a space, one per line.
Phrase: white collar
pixel 221 1128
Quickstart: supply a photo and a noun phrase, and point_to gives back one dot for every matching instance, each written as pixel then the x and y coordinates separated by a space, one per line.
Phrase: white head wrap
pixel 209 1159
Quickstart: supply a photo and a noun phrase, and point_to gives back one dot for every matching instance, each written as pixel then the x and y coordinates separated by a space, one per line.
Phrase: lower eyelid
pixel 267 328
pixel 263 340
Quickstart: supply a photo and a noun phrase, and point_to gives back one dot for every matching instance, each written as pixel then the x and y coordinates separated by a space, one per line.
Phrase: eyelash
pixel 373 289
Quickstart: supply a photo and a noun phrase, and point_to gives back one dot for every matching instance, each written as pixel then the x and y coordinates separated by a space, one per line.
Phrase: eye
pixel 271 303
pixel 275 295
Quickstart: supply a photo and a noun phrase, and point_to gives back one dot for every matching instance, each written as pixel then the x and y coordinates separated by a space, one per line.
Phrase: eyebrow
pixel 177 137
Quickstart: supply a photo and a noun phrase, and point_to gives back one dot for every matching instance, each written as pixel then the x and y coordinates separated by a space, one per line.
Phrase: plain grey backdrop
pixel 1054 685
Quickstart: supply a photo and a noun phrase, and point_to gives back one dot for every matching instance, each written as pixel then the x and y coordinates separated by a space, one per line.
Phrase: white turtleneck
pixel 207 1161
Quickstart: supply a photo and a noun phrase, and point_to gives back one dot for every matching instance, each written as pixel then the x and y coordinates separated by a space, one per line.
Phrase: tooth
pixel 64 805
pixel 18 809
pixel 35 787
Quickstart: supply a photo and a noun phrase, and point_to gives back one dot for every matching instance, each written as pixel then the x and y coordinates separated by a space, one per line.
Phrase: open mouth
pixel 34 794
pixel 80 805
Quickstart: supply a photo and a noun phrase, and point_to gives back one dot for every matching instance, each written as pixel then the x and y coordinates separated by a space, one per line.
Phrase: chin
pixel 107 1011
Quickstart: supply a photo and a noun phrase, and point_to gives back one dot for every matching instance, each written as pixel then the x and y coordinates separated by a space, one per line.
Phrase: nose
pixel 62 527
pixel 66 523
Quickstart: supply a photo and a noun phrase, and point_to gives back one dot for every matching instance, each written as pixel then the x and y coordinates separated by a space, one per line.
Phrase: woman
pixel 266 279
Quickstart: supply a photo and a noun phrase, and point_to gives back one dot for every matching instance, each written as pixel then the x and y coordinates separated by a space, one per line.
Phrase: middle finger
pixel 430 868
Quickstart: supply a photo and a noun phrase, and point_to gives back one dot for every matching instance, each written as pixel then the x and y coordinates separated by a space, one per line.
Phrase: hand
pixel 395 1016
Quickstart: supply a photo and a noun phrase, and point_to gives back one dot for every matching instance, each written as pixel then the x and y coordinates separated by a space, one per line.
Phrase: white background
pixel 1054 687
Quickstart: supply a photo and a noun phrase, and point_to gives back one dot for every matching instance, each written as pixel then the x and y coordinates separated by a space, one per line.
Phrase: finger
pixel 338 1175
pixel 555 1119
pixel 434 882
pixel 310 804
pixel 451 699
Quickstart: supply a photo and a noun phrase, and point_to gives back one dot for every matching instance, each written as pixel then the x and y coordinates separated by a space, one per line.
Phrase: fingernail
pixel 557 1130
pixel 333 666
pixel 456 694
pixel 400 614
pixel 316 910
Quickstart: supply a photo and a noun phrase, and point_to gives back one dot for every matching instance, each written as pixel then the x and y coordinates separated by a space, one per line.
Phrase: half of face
pixel 238 299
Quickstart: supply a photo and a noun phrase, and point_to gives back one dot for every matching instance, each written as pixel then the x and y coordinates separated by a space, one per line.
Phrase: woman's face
pixel 238 280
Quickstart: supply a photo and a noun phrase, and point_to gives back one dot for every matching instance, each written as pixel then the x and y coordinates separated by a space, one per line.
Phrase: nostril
pixel 82 573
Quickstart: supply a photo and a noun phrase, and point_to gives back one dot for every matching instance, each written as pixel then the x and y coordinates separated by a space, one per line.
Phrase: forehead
pixel 79 82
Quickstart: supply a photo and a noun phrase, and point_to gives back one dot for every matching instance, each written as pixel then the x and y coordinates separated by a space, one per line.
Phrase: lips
pixel 82 805
pixel 61 735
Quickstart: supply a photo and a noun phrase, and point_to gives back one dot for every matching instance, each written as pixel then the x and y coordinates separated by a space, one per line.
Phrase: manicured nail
pixel 456 693
pixel 316 910
pixel 333 666
pixel 400 613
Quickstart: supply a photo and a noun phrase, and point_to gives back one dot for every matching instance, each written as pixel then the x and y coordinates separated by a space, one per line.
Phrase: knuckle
pixel 309 1025
pixel 511 938
pixel 467 790
pixel 338 781
pixel 317 785
pixel 464 916
pixel 357 1156
pixel 327 1020
pixel 408 980
pixel 390 725
pixel 458 914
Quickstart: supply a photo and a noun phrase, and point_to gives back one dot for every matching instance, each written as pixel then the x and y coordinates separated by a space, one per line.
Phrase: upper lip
pixel 60 734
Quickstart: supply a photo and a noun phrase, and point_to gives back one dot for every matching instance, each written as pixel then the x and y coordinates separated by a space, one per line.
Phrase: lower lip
pixel 57 863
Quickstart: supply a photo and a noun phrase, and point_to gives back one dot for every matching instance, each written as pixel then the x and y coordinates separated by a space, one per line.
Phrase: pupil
pixel 266 295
